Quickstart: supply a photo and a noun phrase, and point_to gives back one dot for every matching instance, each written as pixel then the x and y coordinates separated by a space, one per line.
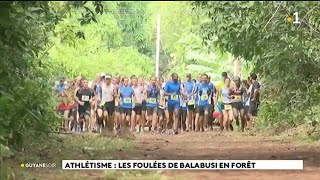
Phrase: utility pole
pixel 237 67
pixel 158 46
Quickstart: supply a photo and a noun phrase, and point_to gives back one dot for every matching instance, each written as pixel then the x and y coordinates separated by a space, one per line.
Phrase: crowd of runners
pixel 156 105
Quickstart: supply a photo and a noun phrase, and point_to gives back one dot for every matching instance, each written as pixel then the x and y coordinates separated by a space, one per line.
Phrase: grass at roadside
pixel 74 146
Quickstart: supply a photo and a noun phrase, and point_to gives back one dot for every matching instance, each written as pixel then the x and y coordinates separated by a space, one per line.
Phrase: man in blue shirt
pixel 127 96
pixel 203 96
pixel 172 90
pixel 152 93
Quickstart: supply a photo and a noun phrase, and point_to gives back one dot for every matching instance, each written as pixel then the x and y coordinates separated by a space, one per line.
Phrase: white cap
pixel 103 75
pixel 108 76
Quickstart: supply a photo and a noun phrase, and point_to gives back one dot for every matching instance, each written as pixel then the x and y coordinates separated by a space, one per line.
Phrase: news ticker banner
pixel 183 164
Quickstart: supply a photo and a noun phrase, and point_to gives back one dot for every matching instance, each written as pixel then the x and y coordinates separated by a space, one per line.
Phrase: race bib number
pixel 204 97
pixel 127 100
pixel 237 98
pixel 174 97
pixel 152 100
pixel 191 102
pixel 227 107
pixel 85 98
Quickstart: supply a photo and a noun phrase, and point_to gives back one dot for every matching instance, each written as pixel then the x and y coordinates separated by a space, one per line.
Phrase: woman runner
pixel 142 86
pixel 226 106
pixel 137 110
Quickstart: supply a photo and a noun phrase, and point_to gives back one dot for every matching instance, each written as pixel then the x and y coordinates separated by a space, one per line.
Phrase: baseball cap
pixel 102 75
pixel 108 77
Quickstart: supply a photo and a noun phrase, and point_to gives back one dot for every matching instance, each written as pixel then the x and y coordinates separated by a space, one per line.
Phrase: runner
pixel 78 86
pixel 137 110
pixel 184 111
pixel 161 109
pixel 209 123
pixel 152 95
pixel 189 88
pixel 172 90
pixel 72 106
pixel 131 78
pixel 63 111
pixel 237 93
pixel 193 123
pixel 254 99
pixel 116 114
pixel 166 112
pixel 126 95
pixel 246 102
pixel 78 83
pixel 107 105
pixel 203 96
pixel 97 84
pixel 199 78
pixel 85 97
pixel 143 87
pixel 226 106
pixel 218 99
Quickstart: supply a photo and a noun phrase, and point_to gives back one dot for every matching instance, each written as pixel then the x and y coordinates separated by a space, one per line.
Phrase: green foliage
pixel 182 48
pixel 285 55
pixel 102 50
pixel 133 20
pixel 27 104
pixel 25 88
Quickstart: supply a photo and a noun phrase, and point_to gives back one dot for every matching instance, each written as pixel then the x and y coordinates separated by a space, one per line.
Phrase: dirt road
pixel 235 146
pixel 194 146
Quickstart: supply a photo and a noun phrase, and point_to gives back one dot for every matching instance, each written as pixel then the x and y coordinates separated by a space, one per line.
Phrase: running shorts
pixel 84 110
pixel 144 105
pixel 138 110
pixel 126 111
pixel 237 105
pixel 172 105
pixel 161 112
pixel 151 110
pixel 109 107
pixel 253 108
pixel 202 110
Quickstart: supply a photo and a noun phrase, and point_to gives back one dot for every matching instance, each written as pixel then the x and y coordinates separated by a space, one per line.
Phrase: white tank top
pixel 107 92
pixel 138 94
